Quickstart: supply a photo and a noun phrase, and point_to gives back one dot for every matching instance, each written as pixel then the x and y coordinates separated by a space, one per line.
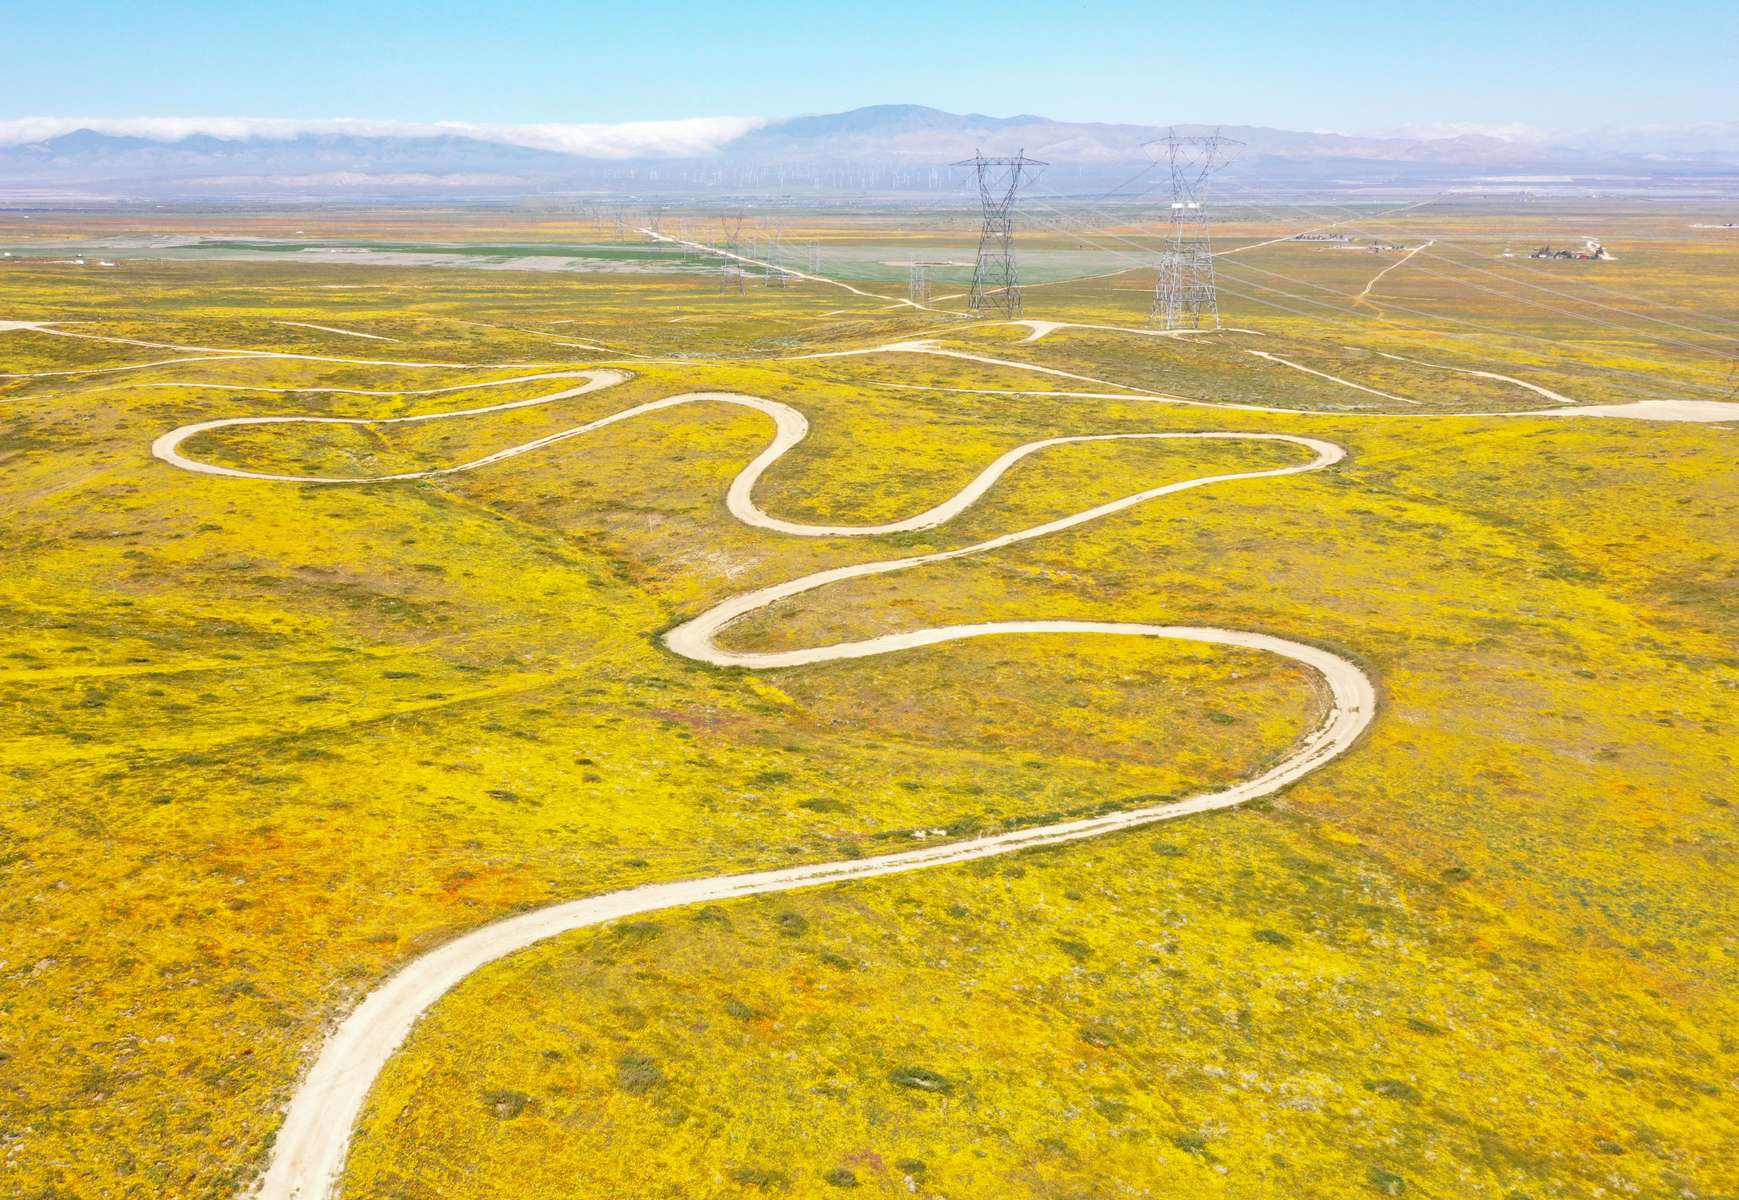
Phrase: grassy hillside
pixel 269 741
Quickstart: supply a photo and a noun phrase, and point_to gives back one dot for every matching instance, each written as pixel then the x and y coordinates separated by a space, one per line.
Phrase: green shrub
pixel 1394 1089
pixel 504 1104
pixel 1079 951
pixel 1191 1143
pixel 1386 1182
pixel 1111 1109
pixel 638 1074
pixel 920 1079
pixel 756 1177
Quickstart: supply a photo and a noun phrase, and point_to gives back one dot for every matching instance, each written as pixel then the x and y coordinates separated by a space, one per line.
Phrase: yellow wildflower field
pixel 268 741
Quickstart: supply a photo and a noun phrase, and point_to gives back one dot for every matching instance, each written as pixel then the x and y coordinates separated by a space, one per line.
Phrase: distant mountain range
pixel 879 150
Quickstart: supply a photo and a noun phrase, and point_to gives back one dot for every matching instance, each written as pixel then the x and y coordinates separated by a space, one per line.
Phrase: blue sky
pixel 1332 65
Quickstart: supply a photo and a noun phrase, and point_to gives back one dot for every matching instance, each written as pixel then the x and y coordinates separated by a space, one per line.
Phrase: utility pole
pixel 1184 295
pixel 995 282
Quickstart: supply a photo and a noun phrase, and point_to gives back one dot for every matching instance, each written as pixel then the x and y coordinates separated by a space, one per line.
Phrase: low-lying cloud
pixel 628 139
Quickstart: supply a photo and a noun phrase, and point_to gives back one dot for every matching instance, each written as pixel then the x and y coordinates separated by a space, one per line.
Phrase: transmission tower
pixel 731 235
pixel 995 283
pixel 771 275
pixel 918 289
pixel 775 274
pixel 814 258
pixel 1184 296
pixel 731 274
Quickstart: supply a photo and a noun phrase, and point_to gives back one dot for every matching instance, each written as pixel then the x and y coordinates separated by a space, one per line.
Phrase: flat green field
pixel 268 742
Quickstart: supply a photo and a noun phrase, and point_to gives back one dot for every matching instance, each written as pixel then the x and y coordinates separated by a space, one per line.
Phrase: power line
pixel 1563 295
pixel 1417 312
pixel 1498 337
pixel 1558 345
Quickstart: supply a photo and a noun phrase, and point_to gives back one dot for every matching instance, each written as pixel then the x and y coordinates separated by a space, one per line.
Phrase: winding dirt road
pixel 310 1149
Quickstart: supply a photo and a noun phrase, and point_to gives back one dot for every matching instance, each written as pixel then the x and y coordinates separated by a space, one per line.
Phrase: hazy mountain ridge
pixel 902 129
pixel 880 148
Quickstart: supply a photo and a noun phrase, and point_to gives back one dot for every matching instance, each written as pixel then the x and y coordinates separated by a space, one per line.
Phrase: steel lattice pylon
pixel 918 287
pixel 772 274
pixel 1184 296
pixel 730 241
pixel 995 281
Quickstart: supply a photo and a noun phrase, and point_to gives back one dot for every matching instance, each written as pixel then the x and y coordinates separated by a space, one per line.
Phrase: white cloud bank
pixel 628 139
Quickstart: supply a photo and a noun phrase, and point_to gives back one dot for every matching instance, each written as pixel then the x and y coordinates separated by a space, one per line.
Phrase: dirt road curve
pixel 309 1153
